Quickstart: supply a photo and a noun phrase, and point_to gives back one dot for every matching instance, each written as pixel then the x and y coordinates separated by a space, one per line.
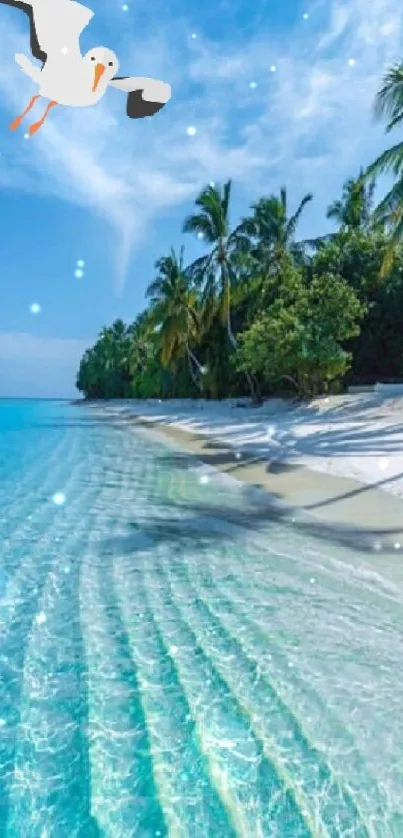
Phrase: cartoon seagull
pixel 68 78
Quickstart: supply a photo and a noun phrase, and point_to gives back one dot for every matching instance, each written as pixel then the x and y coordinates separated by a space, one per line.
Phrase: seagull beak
pixel 99 71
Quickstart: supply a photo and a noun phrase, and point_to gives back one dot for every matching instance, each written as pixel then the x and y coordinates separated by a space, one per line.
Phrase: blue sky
pixel 95 186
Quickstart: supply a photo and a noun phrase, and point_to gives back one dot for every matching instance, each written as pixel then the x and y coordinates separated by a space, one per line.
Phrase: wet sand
pixel 362 514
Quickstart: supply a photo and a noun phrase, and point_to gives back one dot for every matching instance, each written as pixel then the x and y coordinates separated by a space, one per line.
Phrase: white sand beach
pixel 355 436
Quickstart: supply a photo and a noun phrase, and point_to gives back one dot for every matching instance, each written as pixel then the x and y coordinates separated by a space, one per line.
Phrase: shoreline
pixel 342 508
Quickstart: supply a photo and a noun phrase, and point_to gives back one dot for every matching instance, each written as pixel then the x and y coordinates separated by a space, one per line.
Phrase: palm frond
pixel 154 289
pixel 196 270
pixel 389 99
pixel 212 220
pixel 199 223
pixel 320 241
pixel 395 241
pixel 391 205
pixel 335 210
pixel 226 197
pixel 390 160
pixel 293 222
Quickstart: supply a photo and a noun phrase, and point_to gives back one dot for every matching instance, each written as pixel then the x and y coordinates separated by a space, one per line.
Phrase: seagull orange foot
pixel 15 123
pixel 37 125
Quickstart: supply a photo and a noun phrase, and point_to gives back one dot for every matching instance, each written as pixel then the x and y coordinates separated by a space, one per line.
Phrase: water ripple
pixel 165 673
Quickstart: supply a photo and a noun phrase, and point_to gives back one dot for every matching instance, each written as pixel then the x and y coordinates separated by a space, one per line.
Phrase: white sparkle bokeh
pixel 41 618
pixel 204 478
pixel 383 464
pixel 59 498
pixel 271 430
pixel 78 273
pixel 35 308
pixel 191 130
pixel 273 68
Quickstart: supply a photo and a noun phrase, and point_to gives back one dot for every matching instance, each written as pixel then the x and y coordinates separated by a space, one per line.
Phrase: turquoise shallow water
pixel 169 669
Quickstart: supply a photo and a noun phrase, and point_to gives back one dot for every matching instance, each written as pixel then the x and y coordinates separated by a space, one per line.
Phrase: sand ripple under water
pixel 167 669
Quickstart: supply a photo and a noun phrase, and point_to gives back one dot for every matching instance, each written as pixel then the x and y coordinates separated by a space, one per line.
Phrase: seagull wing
pixel 145 96
pixel 59 24
pixel 54 24
pixel 36 48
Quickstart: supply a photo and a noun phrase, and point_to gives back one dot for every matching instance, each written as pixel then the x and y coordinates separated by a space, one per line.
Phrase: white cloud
pixel 309 124
pixel 338 25
pixel 96 157
pixel 314 121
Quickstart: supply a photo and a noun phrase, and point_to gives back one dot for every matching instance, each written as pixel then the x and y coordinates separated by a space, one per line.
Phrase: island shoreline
pixel 334 507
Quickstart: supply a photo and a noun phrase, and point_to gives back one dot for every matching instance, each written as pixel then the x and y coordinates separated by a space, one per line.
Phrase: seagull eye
pixel 111 63
pixel 92 57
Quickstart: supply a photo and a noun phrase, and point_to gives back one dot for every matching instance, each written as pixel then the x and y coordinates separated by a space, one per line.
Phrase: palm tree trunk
pixel 191 358
pixel 226 289
pixel 231 337
pixel 194 359
pixel 226 281
pixel 292 380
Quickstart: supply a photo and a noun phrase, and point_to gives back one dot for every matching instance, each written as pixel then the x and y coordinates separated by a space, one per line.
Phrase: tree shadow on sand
pixel 225 460
pixel 209 521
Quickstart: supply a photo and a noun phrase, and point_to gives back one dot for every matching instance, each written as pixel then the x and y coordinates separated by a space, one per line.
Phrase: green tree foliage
pixel 175 311
pixel 353 211
pixel 389 213
pixel 300 337
pixel 104 370
pixel 262 310
pixel 269 233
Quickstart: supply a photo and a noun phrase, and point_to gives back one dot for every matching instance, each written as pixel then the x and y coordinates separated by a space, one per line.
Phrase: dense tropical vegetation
pixel 262 311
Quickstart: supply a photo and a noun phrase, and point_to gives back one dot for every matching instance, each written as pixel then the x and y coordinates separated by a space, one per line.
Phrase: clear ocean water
pixel 172 662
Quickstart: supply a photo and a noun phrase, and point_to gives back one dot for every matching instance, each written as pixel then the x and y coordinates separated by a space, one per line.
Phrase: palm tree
pixel 389 213
pixel 353 211
pixel 214 271
pixel 175 314
pixel 105 369
pixel 142 334
pixel 113 350
pixel 271 231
